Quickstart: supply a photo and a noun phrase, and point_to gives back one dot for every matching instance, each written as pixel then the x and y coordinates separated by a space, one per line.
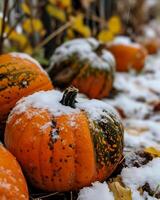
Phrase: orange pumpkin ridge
pixel 61 144
pixel 128 56
pixel 12 182
pixel 20 75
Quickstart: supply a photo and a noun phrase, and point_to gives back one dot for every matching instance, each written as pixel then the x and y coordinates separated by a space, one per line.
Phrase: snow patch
pixel 96 191
pixel 135 178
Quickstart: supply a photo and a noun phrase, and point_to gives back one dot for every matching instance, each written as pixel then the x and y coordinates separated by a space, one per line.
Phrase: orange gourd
pixel 85 64
pixel 128 56
pixel 64 143
pixel 12 182
pixel 20 75
pixel 152 45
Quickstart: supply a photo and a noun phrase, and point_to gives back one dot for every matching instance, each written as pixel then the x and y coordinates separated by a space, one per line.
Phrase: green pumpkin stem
pixel 69 97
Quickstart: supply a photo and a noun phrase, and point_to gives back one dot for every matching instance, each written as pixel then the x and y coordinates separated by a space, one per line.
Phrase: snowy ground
pixel 138 101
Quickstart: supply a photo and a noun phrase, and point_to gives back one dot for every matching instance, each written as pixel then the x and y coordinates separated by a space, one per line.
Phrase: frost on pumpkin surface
pixel 82 61
pixel 63 124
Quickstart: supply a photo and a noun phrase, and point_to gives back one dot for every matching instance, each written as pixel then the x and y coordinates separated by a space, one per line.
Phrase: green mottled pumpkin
pixel 63 142
pixel 85 64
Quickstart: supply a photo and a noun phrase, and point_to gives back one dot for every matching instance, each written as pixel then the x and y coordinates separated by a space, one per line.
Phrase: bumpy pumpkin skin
pixel 18 77
pixel 65 152
pixel 84 72
pixel 128 57
pixel 12 182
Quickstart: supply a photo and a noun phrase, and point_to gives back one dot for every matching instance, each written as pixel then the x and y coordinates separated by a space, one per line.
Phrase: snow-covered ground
pixel 138 101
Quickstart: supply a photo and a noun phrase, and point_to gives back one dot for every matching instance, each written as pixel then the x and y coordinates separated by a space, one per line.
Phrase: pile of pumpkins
pixel 61 156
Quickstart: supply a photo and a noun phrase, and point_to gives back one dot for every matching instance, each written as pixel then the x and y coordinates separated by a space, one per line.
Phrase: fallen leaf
pixel 153 151
pixel 120 192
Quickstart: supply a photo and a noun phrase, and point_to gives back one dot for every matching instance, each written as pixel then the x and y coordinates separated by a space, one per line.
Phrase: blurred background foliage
pixel 37 27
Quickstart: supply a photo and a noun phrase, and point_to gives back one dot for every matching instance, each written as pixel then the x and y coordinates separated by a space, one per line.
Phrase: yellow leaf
pixel 66 3
pixel 21 42
pixel 105 36
pixel 153 151
pixel 28 49
pixel 61 3
pixel 7 28
pixel 114 25
pixel 17 37
pixel 120 192
pixel 35 23
pixel 25 8
pixel 80 27
pixel 56 12
pixel 70 33
pixel 53 2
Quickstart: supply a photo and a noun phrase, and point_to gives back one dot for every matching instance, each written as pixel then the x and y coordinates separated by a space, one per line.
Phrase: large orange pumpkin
pixel 128 55
pixel 12 182
pixel 85 64
pixel 63 145
pixel 20 75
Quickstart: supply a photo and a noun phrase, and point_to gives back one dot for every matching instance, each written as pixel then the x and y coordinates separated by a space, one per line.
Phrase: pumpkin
pixel 149 39
pixel 12 182
pixel 64 143
pixel 20 75
pixel 128 55
pixel 151 45
pixel 85 64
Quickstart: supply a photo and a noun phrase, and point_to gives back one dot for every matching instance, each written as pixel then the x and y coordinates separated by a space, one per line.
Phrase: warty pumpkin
pixel 85 64
pixel 129 55
pixel 20 75
pixel 64 143
pixel 12 182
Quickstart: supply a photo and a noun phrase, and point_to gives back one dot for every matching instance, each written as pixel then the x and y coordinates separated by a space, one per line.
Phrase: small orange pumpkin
pixel 20 75
pixel 64 144
pixel 149 39
pixel 128 55
pixel 12 182
pixel 85 64
pixel 152 45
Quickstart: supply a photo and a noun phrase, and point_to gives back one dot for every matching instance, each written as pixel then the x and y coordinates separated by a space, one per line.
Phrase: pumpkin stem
pixel 69 97
pixel 99 49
